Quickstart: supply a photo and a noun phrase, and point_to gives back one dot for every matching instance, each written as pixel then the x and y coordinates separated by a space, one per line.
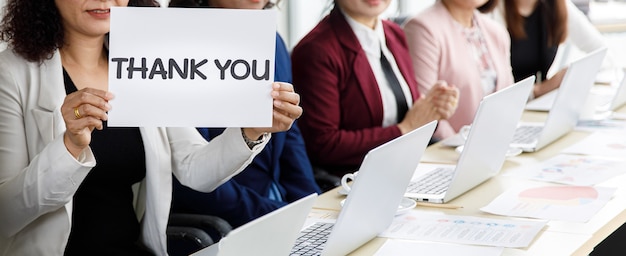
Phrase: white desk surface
pixel 608 16
pixel 557 238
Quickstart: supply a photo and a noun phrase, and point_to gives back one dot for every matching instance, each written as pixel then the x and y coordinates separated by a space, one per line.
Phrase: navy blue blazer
pixel 283 161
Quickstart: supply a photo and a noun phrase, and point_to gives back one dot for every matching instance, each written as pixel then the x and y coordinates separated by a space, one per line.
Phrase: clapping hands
pixel 440 102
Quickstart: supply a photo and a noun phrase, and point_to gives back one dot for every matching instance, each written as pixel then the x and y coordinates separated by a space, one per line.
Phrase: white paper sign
pixel 193 67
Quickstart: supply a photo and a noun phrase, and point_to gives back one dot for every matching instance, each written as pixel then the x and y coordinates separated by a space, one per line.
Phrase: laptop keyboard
pixel 312 239
pixel 526 134
pixel 434 182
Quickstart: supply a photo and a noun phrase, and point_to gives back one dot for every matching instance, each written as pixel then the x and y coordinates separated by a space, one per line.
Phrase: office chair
pixel 188 233
pixel 325 180
pixel 197 237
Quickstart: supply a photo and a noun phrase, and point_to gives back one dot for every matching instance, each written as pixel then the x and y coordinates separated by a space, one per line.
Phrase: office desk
pixel 557 237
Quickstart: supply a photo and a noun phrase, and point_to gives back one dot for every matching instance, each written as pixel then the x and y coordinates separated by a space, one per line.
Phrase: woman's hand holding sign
pixel 286 110
pixel 83 111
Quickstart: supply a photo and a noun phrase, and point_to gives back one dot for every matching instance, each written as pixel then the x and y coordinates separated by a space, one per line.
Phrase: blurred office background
pixel 297 17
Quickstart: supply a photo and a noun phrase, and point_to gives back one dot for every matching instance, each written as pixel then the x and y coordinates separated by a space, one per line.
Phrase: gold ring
pixel 77 113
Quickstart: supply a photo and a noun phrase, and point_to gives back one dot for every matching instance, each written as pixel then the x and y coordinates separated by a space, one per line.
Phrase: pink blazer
pixel 439 51
pixel 343 109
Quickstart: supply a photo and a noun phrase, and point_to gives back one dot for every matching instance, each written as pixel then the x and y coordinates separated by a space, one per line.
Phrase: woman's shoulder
pixel 9 56
pixel 11 62
pixel 491 26
pixel 431 14
pixel 434 19
pixel 321 38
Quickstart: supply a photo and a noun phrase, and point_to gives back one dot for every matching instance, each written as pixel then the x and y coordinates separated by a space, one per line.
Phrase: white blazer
pixel 38 176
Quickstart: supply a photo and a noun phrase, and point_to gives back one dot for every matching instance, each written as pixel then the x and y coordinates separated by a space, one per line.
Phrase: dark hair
pixel 205 3
pixel 33 28
pixel 488 6
pixel 188 3
pixel 555 18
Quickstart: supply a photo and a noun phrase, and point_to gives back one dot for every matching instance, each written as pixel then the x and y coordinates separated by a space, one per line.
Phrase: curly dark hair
pixel 33 28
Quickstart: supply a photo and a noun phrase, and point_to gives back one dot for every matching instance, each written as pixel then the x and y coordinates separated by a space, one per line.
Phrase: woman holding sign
pixel 68 183
pixel 356 72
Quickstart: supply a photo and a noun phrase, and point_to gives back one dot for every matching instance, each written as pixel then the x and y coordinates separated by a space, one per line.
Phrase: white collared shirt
pixel 372 42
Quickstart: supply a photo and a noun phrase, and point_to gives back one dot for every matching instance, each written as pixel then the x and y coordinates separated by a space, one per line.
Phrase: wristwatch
pixel 252 143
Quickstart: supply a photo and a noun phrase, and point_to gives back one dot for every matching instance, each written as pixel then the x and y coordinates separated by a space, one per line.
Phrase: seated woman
pixel 358 88
pixel 71 185
pixel 453 41
pixel 281 173
pixel 537 30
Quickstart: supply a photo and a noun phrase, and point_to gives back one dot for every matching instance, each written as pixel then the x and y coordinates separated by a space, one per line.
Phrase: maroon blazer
pixel 343 110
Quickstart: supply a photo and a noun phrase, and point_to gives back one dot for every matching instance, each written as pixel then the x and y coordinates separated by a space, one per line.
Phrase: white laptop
pixel 545 102
pixel 373 199
pixel 484 150
pixel 271 234
pixel 617 99
pixel 568 104
pixel 607 101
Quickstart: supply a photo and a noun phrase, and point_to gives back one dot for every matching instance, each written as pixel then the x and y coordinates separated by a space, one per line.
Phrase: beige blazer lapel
pixel 50 98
